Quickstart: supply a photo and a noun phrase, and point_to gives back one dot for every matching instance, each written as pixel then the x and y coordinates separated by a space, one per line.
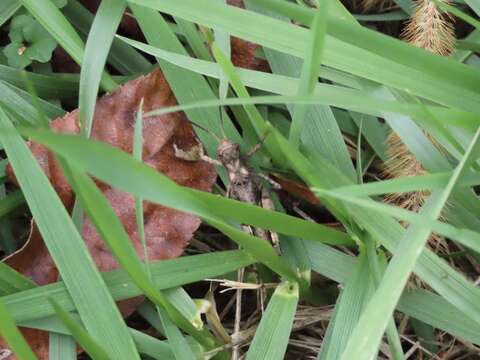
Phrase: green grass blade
pixel 321 131
pixel 123 58
pixel 186 86
pixel 47 86
pixel 88 343
pixel 58 26
pixel 67 248
pixel 391 61
pixel 12 335
pixel 179 346
pixel 418 303
pixel 176 340
pixel 185 304
pixel 61 347
pixel 15 99
pixel 458 13
pixel 365 339
pixel 52 19
pixel 324 94
pixel 11 202
pixel 11 281
pixel 99 40
pixel 271 337
pixel 310 69
pixel 377 263
pixel 151 346
pixel 166 274
pixel 115 236
pixel 464 236
pixel 155 187
pixel 256 119
pixel 350 304
pixel 222 39
pixel 421 304
pixel 454 287
pixel 194 39
pixel 408 184
pixel 7 9
pixel 146 344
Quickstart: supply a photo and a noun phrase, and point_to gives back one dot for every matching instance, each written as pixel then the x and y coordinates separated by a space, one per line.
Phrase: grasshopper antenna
pixel 208 131
pixel 222 123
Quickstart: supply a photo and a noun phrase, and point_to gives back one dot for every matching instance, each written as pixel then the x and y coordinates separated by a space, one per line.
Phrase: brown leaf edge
pixel 167 231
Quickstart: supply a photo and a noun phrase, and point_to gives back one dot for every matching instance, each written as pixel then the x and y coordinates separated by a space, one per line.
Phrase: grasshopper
pixel 244 185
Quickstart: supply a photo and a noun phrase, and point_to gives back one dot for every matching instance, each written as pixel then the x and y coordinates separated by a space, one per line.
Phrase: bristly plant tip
pixel 430 29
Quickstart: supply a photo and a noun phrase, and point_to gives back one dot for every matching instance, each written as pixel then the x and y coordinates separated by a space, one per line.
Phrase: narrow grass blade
pixel 407 184
pixel 48 86
pixel 11 281
pixel 464 236
pixel 58 26
pixel 175 338
pixel 61 347
pixel 185 304
pixel 12 335
pixel 350 305
pixel 87 342
pixel 7 9
pixel 169 195
pixel 421 304
pixel 33 304
pixel 194 39
pixel 67 248
pixel 124 58
pixel 348 47
pixel 377 263
pixel 321 131
pixel 365 338
pixel 310 69
pixel 14 99
pixel 458 13
pixel 186 86
pixel 333 95
pixel 256 119
pixel 152 347
pixel 11 202
pixel 222 39
pixel 454 288
pixel 146 344
pixel 115 236
pixel 52 19
pixel 271 337
pixel 99 40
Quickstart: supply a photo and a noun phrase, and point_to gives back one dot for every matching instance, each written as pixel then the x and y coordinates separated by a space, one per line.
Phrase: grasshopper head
pixel 228 151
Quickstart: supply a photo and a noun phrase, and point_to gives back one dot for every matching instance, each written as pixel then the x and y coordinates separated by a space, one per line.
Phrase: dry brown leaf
pixel 167 231
pixel 243 52
pixel 297 189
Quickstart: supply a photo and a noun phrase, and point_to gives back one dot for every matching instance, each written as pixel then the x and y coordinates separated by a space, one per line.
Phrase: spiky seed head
pixel 430 29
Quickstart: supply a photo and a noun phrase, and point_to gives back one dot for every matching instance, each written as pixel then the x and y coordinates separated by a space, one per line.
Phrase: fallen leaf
pixel 297 189
pixel 243 52
pixel 167 231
